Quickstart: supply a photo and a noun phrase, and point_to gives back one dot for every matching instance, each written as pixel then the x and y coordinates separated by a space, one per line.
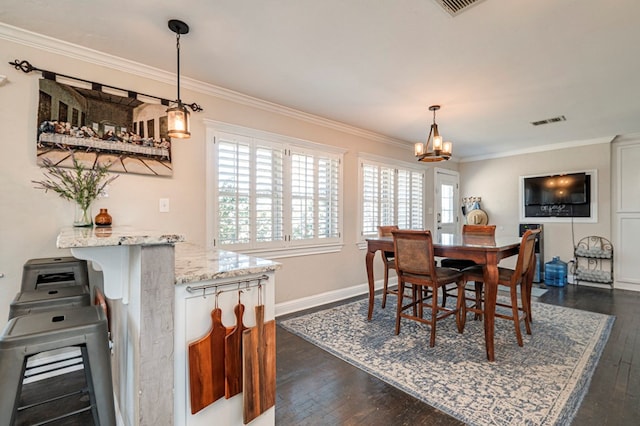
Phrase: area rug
pixel 542 383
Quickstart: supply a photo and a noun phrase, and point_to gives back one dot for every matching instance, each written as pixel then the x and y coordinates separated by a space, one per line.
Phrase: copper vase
pixel 103 218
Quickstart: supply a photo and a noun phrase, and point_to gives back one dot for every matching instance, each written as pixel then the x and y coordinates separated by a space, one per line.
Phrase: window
pixel 271 194
pixel 392 194
pixel 446 201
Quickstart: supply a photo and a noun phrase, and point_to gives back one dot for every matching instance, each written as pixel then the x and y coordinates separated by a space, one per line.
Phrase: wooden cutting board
pixel 259 356
pixel 233 355
pixel 206 365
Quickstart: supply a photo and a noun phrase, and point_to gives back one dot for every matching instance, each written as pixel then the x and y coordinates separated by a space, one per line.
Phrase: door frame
pixel 450 174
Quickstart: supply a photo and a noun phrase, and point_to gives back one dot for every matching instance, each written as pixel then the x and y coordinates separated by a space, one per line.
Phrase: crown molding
pixel 541 148
pixel 70 50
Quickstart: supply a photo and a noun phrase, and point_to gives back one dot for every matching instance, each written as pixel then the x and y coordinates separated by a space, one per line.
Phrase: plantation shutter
pixel 234 192
pixel 370 199
pixel 314 196
pixel 269 194
pixel 391 196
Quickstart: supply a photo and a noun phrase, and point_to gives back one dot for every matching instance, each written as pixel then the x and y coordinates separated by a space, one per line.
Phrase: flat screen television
pixel 567 189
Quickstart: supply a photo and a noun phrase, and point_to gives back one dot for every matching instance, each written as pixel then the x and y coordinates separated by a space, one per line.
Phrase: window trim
pixel 361 242
pixel 295 248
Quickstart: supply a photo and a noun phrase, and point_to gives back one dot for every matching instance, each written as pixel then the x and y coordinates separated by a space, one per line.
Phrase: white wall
pixel 497 180
pixel 30 219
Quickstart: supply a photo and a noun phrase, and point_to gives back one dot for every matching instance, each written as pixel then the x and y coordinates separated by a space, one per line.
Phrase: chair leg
pixel 11 374
pixel 526 307
pixel 385 288
pixel 399 311
pixel 516 315
pixel 478 285
pixel 461 307
pixel 444 295
pixel 529 285
pixel 434 315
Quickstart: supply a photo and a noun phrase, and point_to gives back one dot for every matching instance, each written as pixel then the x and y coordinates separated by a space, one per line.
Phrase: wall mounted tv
pixel 564 195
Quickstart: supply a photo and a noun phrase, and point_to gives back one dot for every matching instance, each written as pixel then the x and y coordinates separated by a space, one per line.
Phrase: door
pixel 446 202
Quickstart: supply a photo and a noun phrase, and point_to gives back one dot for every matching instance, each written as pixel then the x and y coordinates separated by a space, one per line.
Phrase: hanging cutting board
pixel 259 356
pixel 206 365
pixel 233 355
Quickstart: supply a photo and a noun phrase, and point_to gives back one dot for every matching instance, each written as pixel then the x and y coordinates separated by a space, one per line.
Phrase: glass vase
pixel 82 216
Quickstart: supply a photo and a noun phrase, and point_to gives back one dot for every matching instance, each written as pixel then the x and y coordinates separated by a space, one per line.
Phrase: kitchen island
pixel 149 279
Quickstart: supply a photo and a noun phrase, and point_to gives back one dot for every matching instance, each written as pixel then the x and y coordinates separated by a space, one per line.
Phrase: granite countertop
pixel 73 237
pixel 195 263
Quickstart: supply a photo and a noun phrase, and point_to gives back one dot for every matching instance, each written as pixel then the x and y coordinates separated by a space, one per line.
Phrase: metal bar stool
pixel 55 272
pixel 24 336
pixel 29 302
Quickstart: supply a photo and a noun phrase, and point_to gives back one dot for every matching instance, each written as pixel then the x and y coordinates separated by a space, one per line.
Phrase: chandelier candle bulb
pixel 437 143
pixel 418 148
pixel 447 147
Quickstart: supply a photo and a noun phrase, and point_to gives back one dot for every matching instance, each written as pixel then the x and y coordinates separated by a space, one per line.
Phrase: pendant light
pixel 439 151
pixel 178 116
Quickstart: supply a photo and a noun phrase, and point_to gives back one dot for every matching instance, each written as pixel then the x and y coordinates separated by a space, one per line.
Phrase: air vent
pixel 456 7
pixel 549 120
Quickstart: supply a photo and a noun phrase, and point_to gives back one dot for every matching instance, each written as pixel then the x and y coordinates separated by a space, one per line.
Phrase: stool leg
pixel 12 365
pixel 89 380
pixel 99 360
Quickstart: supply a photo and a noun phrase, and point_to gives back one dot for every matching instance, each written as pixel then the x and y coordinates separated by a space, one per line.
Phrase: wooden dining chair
pixel 514 279
pixel 389 262
pixel 460 264
pixel 415 266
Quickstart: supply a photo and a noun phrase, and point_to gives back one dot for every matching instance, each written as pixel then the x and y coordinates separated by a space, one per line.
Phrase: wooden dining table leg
pixel 369 264
pixel 491 294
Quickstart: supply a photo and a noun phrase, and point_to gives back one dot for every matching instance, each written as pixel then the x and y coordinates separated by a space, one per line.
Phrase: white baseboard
pixel 327 297
pixel 620 285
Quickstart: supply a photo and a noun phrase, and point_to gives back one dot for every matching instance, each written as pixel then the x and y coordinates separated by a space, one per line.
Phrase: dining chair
pixel 415 266
pixel 514 279
pixel 389 262
pixel 460 264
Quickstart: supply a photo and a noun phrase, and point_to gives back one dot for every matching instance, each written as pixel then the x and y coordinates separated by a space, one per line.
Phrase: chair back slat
pixel 385 230
pixel 487 230
pixel 414 252
pixel 526 253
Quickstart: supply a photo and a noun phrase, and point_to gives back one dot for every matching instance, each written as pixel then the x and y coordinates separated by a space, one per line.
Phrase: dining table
pixel 484 250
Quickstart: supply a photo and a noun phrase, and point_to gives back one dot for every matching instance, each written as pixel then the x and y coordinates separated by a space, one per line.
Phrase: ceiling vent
pixel 456 7
pixel 549 120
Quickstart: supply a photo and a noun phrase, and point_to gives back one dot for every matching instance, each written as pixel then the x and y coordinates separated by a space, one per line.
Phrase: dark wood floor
pixel 316 388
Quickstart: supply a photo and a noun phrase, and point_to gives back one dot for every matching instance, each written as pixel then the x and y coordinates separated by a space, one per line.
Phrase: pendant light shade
pixel 433 149
pixel 178 115
pixel 178 122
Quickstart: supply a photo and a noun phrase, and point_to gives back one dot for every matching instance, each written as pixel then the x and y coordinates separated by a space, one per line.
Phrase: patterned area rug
pixel 542 383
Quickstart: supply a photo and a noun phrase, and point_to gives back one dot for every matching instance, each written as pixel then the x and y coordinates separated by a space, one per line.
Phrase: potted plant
pixel 78 184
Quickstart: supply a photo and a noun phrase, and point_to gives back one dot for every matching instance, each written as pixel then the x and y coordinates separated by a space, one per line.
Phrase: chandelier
pixel 433 149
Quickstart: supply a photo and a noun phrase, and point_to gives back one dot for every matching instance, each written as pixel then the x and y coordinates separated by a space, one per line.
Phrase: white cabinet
pixel 626 212
pixel 193 320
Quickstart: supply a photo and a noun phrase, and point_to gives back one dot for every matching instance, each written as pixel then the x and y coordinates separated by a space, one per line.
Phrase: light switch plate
pixel 163 205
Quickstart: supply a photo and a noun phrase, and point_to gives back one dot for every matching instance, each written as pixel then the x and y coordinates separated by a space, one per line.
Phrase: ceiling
pixel 378 65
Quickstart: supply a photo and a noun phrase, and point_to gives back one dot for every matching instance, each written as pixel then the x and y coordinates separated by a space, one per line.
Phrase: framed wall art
pixel 102 127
